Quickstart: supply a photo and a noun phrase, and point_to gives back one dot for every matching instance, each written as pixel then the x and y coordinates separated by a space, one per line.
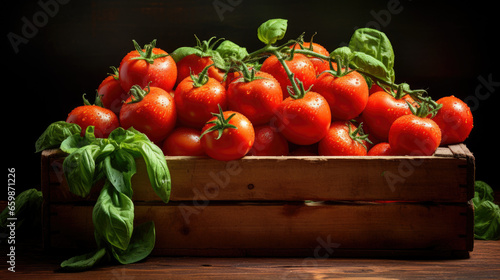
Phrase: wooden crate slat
pixel 299 178
pixel 297 228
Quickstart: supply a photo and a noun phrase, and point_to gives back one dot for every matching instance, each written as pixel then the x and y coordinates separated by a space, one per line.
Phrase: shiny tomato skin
pixel 194 64
pixel 382 149
pixel 195 105
pixel 413 135
pixel 183 141
pixel 454 119
pixel 155 115
pixel 303 121
pixel 112 94
pixel 103 120
pixel 319 64
pixel 300 65
pixel 338 142
pixel 162 73
pixel 234 143
pixel 268 142
pixel 347 95
pixel 381 110
pixel 257 99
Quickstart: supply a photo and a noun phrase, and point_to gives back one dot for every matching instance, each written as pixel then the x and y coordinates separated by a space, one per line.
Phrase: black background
pixel 446 48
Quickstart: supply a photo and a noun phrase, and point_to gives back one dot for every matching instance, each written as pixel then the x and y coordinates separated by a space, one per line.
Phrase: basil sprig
pixel 111 159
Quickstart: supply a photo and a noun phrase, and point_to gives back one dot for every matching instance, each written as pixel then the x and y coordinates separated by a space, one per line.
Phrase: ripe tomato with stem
pixel 196 62
pixel 228 135
pixel 149 66
pixel 151 111
pixel 344 139
pixel 416 134
pixel 111 92
pixel 255 94
pixel 298 64
pixel 197 97
pixel 345 90
pixel 103 119
pixel 383 108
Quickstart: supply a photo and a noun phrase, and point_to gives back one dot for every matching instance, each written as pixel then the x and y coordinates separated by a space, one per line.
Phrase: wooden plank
pixel 482 264
pixel 440 179
pixel 282 229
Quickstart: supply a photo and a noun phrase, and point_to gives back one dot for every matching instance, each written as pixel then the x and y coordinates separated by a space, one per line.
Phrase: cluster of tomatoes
pixel 293 104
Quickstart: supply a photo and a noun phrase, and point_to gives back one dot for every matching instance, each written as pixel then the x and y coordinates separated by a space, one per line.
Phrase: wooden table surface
pixel 484 263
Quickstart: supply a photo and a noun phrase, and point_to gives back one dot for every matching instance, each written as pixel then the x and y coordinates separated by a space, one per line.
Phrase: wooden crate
pixel 289 206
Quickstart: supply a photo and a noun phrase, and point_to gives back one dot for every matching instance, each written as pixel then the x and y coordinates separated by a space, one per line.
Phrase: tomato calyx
pixel 358 134
pixel 220 123
pixel 202 78
pixel 147 54
pixel 137 93
pixel 97 100
pixel 206 47
pixel 342 67
pixel 115 74
pixel 425 108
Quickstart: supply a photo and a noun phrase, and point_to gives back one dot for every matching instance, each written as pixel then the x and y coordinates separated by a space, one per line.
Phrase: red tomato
pixel 342 139
pixel 103 120
pixel 257 99
pixel 347 95
pixel 381 111
pixel 111 92
pixel 194 63
pixel 375 88
pixel 319 64
pixel 151 111
pixel 268 142
pixel 183 141
pixel 454 119
pixel 414 135
pixel 196 101
pixel 300 65
pixel 150 65
pixel 303 121
pixel 381 149
pixel 227 136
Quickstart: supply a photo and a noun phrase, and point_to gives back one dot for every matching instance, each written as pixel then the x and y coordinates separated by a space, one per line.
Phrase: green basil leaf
pixel 83 262
pixel 487 221
pixel 374 46
pixel 119 168
pixel 28 205
pixel 182 52
pixel 482 192
pixel 79 169
pixel 344 53
pixel 272 30
pixel 228 49
pixel 55 134
pixel 141 244
pixel 74 143
pixel 120 135
pixel 367 64
pixel 156 164
pixel 113 217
